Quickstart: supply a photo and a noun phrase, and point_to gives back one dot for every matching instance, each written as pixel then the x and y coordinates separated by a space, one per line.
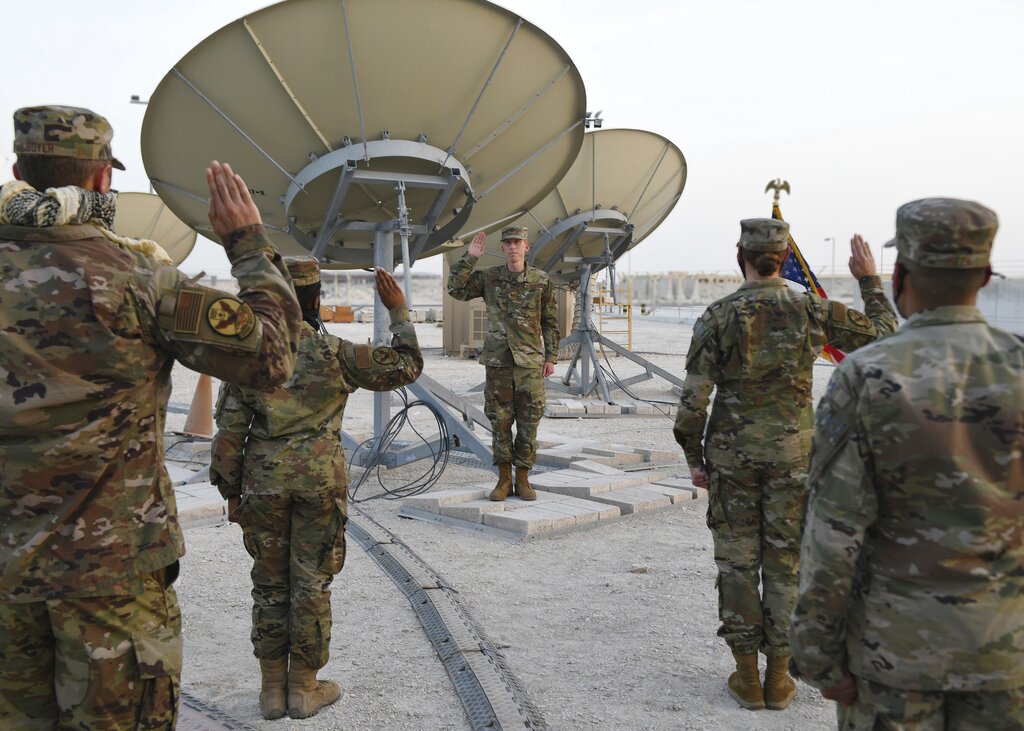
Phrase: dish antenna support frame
pixel 414 238
pixel 577 225
pixel 587 338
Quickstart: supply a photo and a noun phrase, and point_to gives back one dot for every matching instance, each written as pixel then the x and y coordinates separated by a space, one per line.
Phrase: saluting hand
pixel 862 261
pixel 476 246
pixel 231 206
pixel 391 294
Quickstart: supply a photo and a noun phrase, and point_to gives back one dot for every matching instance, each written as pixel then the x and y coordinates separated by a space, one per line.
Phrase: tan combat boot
pixel 273 688
pixel 779 688
pixel 306 694
pixel 504 486
pixel 745 683
pixel 524 489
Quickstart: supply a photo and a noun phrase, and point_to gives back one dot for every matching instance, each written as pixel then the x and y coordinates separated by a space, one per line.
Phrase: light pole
pixel 136 99
pixel 833 284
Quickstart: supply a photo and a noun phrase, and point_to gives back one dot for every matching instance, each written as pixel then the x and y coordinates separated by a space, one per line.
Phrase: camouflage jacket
pixel 914 541
pixel 522 318
pixel 288 439
pixel 758 346
pixel 89 334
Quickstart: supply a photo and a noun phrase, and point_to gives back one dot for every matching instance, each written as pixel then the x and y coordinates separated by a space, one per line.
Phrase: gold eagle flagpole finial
pixel 778 185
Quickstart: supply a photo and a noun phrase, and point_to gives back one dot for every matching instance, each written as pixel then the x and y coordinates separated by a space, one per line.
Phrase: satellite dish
pixel 144 216
pixel 350 119
pixel 620 188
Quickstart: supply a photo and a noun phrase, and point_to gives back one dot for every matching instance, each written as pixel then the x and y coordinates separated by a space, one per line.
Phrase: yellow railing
pixel 615 320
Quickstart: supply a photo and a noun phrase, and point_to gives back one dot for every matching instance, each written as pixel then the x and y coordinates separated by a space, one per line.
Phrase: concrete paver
pixel 632 500
pixel 432 502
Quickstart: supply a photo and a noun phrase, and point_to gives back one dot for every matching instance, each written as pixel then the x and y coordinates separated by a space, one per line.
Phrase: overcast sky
pixel 860 106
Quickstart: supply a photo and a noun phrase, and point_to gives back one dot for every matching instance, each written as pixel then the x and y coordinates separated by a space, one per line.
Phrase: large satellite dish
pixel 620 188
pixel 350 119
pixel 144 216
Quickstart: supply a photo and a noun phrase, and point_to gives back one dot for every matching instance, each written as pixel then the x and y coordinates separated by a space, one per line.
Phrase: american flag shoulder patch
pixel 187 311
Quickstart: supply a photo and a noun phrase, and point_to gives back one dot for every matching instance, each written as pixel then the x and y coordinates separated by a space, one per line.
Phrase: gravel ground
pixel 611 628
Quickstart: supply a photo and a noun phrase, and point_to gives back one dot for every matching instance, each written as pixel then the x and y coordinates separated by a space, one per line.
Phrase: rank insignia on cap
pixel 229 317
pixel 385 356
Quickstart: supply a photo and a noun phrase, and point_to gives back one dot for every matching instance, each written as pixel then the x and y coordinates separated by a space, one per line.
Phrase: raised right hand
pixel 862 261
pixel 231 206
pixel 476 246
pixel 391 294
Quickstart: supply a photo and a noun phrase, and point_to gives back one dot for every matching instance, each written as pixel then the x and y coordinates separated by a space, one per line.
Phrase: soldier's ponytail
pixel 765 263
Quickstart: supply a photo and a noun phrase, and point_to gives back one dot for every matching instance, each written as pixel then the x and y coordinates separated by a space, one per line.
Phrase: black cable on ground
pixel 379 448
pixel 619 384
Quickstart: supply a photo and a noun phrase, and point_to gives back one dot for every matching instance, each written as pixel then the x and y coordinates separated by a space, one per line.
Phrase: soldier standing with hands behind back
pixel 911 606
pixel 520 351
pixel 757 346
pixel 90 326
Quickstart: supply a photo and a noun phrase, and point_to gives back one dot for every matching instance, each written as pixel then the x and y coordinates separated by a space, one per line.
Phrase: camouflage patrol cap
pixel 515 232
pixel 56 131
pixel 764 234
pixel 304 270
pixel 945 233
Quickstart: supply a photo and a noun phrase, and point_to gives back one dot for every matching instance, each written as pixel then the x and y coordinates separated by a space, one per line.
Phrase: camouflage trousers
pixel 755 513
pixel 514 394
pixel 882 708
pixel 111 662
pixel 297 542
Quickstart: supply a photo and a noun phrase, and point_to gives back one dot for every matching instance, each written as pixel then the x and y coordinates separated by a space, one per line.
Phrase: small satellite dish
pixel 620 188
pixel 145 216
pixel 350 119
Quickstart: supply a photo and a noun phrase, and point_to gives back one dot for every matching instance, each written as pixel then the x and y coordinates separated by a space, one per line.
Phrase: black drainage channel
pixel 494 699
pixel 197 715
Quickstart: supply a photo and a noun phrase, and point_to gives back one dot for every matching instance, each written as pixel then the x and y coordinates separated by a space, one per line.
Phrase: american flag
pixel 795 269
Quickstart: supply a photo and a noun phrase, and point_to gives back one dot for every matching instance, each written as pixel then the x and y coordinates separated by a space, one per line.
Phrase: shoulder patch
pixel 362 353
pixel 859 319
pixel 386 356
pixel 831 422
pixel 230 317
pixel 187 311
pixel 833 418
pixel 837 311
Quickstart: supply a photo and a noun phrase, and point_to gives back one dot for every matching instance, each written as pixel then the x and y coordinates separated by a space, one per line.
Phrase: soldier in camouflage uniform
pixel 911 601
pixel 520 351
pixel 278 460
pixel 757 346
pixel 90 631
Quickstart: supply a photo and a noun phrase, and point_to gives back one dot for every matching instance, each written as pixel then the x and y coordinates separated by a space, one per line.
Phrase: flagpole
pixel 833 240
pixel 802 271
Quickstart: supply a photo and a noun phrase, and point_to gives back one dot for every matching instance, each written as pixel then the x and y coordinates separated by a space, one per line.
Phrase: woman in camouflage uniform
pixel 278 460
pixel 757 346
